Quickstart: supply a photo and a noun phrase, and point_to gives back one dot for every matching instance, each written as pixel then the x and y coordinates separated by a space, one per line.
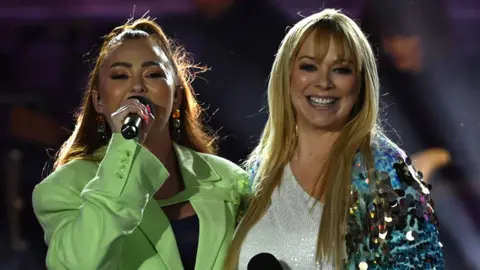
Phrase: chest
pixel 183 208
pixel 215 208
pixel 308 176
pixel 288 229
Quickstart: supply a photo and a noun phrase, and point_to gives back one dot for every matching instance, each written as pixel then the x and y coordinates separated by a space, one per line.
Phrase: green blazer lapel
pixel 196 173
pixel 208 201
pixel 213 230
pixel 194 168
pixel 156 227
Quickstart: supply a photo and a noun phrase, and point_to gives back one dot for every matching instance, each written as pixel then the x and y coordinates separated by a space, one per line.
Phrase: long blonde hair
pixel 278 141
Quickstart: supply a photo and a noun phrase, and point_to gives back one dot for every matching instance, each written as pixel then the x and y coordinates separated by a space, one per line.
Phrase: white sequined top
pixel 288 230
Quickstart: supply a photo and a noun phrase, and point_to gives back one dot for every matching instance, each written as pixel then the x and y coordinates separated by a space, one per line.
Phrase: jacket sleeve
pixel 401 219
pixel 84 226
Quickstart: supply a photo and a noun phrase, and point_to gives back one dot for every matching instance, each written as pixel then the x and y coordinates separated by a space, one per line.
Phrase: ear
pixel 178 97
pixel 97 102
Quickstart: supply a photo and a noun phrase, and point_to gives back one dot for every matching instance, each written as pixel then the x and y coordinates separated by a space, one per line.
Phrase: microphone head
pixel 133 122
pixel 145 101
pixel 264 261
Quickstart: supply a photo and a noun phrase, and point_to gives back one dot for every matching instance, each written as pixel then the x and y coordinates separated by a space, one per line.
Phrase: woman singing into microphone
pixel 158 201
pixel 330 191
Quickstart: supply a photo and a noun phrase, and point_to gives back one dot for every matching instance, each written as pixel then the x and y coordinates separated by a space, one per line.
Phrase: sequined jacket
pixel 391 223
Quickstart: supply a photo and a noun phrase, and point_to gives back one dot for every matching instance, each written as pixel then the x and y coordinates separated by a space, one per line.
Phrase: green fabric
pixel 102 216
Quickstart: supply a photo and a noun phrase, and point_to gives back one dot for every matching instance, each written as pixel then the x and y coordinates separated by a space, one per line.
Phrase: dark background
pixel 45 48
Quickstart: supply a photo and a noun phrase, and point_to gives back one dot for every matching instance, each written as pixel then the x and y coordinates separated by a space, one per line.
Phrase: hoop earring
pixel 176 125
pixel 101 127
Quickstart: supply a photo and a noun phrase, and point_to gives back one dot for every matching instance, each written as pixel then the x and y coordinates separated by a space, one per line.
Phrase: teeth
pixel 322 101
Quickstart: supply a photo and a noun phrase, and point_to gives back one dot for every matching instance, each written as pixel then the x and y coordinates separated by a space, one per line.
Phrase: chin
pixel 325 120
pixel 327 126
pixel 321 124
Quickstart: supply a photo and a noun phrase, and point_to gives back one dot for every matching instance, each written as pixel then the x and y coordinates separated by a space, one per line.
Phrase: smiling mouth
pixel 322 102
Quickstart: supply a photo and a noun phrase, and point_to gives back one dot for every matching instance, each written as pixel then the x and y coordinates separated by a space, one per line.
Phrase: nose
pixel 138 86
pixel 324 80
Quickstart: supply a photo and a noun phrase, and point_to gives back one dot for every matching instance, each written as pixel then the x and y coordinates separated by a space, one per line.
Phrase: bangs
pixel 325 32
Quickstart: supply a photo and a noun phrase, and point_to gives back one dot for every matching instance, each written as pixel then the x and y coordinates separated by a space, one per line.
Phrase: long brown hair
pixel 85 139
pixel 278 141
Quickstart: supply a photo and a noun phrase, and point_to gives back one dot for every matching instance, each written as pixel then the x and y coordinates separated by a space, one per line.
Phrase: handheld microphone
pixel 264 261
pixel 133 122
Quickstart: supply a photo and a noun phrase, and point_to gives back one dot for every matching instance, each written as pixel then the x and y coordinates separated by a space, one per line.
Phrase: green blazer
pixel 102 216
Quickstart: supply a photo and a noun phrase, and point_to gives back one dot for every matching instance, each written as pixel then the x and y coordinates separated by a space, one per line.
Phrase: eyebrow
pixel 338 60
pixel 128 65
pixel 308 57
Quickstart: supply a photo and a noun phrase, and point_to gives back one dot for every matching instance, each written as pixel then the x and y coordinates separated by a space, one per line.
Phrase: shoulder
pixel 393 163
pixel 389 162
pixel 63 186
pixel 222 165
pixel 70 176
pixel 231 174
pixel 386 152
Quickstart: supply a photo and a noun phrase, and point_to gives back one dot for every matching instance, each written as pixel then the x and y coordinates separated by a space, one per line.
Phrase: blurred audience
pixel 428 101
pixel 237 39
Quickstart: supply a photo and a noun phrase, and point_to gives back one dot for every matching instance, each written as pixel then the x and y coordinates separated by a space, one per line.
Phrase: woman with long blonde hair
pixel 329 190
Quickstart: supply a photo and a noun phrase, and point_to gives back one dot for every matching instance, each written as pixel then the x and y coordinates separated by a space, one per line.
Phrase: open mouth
pixel 322 102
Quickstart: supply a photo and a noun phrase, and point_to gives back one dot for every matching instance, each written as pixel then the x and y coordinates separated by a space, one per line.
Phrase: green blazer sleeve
pixel 85 224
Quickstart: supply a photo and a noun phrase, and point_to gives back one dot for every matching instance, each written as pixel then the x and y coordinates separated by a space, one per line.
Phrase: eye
pixel 308 67
pixel 155 75
pixel 118 77
pixel 343 70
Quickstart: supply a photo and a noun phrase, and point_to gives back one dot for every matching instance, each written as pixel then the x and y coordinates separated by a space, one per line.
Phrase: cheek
pixel 112 94
pixel 161 92
pixel 349 91
pixel 300 81
pixel 346 85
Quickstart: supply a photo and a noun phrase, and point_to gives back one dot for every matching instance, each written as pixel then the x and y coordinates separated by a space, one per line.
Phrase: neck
pixel 314 144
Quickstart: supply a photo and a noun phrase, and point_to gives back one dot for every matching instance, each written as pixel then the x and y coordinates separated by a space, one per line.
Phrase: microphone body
pixel 263 261
pixel 133 122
